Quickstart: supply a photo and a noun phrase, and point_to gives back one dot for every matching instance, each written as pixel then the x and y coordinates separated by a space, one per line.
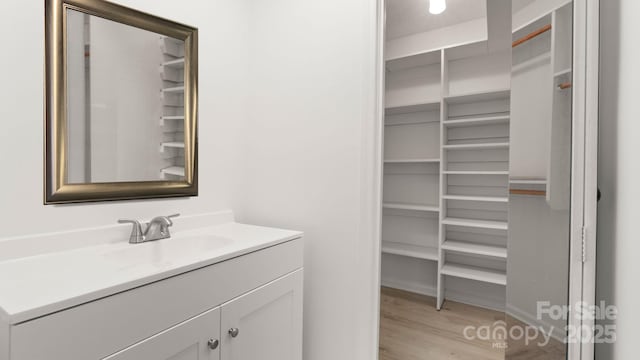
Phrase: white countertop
pixel 38 285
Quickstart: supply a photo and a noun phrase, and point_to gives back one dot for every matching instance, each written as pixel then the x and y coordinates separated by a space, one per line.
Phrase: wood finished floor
pixel 519 350
pixel 412 329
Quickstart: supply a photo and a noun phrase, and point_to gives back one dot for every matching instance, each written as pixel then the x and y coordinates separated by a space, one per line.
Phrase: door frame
pixel 583 178
pixel 584 187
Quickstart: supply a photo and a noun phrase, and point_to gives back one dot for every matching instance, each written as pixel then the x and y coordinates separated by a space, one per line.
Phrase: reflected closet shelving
pixel 172 118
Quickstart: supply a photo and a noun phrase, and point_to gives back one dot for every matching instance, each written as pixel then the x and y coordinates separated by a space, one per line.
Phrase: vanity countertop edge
pixel 57 281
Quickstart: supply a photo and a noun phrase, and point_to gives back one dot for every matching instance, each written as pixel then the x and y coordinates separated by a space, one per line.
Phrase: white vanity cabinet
pixel 264 324
pixel 194 339
pixel 242 303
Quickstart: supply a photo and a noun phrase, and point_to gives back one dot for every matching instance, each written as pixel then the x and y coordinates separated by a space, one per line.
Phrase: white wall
pixel 619 169
pixel 223 81
pixel 286 107
pixel 312 92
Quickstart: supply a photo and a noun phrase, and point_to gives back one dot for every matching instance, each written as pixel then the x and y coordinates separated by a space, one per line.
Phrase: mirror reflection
pixel 539 169
pixel 125 102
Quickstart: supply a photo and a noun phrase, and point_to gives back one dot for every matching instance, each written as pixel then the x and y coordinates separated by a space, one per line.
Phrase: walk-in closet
pixel 476 180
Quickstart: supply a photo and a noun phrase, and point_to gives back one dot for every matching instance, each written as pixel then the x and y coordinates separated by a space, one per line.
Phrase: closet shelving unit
pixel 446 166
pixel 172 118
pixel 475 172
pixel 412 157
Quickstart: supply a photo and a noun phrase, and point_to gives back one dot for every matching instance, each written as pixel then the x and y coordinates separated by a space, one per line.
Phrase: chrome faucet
pixel 156 229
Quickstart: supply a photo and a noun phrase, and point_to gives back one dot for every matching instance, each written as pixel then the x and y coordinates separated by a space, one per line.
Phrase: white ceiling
pixel 406 17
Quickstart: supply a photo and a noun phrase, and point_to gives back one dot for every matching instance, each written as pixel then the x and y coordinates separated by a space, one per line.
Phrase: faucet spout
pixel 156 229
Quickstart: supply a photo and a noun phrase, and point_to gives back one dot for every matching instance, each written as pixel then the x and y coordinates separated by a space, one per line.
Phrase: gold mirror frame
pixel 57 190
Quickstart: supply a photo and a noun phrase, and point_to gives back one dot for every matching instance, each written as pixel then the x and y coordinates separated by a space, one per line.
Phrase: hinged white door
pixel 194 339
pixel 266 323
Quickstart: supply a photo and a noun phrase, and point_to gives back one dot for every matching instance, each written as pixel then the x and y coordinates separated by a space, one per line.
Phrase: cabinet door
pixel 186 341
pixel 268 321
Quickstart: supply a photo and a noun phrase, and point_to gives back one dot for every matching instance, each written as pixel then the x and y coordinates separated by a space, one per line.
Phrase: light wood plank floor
pixel 412 329
pixel 519 350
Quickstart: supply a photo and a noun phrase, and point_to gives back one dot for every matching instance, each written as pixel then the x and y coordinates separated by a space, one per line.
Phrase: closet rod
pixel 565 85
pixel 527 192
pixel 531 35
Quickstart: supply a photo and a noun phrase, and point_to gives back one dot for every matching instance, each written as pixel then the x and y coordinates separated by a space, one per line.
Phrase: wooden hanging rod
pixel 531 35
pixel 527 192
pixel 565 85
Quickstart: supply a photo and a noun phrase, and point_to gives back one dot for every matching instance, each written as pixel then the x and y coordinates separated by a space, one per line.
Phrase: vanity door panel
pixel 186 341
pixel 266 322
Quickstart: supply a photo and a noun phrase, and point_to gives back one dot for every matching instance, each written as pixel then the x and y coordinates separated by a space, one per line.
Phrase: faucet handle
pixel 172 216
pixel 128 221
pixel 136 232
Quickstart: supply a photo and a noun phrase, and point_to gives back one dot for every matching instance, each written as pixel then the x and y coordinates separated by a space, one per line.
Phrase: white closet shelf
pixel 178 63
pixel 475 249
pixel 411 161
pixel 476 198
pixel 169 38
pixel 478 96
pixel 397 109
pixel 475 273
pixel 414 251
pixel 164 119
pixel 486 120
pixel 474 223
pixel 176 89
pixel 173 144
pixel 483 146
pixel 562 72
pixel 528 181
pixel 415 207
pixel 474 172
pixel 412 122
pixel 174 170
pixel 413 60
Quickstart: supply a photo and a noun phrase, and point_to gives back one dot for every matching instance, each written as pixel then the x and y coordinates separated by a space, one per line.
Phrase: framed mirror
pixel 121 104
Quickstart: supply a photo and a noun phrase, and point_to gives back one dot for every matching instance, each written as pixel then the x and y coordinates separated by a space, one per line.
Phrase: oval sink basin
pixel 167 251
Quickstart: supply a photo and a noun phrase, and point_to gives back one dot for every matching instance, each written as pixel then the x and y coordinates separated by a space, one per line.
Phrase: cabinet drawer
pixel 103 327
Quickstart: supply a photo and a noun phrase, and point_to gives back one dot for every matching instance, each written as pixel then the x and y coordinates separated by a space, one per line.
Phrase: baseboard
pixel 410 287
pixel 532 320
pixel 470 299
pixel 456 296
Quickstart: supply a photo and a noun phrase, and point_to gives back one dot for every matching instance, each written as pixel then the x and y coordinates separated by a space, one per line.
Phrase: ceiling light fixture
pixel 437 6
